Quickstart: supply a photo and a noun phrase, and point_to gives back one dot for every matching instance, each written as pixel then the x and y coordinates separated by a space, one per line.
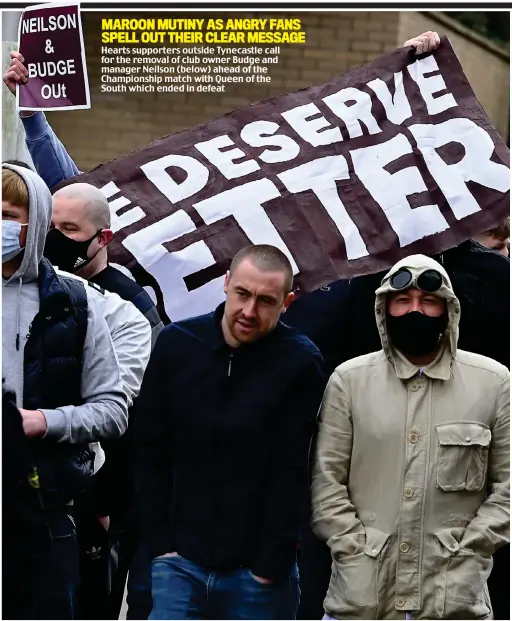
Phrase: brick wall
pixel 335 42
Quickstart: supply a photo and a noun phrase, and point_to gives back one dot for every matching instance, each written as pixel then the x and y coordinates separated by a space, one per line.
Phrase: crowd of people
pixel 342 455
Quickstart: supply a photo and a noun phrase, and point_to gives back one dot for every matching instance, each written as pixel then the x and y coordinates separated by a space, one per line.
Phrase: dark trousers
pixel 186 590
pixel 58 586
pixel 315 574
pixel 139 598
pixel 132 561
pixel 499 584
pixel 94 546
pixel 106 561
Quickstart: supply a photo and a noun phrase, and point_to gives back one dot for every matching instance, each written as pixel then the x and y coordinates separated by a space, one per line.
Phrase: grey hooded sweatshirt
pixel 104 411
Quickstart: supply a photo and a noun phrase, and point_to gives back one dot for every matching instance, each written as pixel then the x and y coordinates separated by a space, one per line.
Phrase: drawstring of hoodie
pixel 18 320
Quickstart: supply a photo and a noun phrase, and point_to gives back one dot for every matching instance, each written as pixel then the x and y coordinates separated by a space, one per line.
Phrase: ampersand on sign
pixel 49 49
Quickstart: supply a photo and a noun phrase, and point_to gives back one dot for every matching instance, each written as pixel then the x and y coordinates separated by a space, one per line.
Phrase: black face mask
pixel 65 253
pixel 416 334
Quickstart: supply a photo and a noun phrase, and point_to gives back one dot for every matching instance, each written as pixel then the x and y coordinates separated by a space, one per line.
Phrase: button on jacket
pixel 411 480
pixel 223 438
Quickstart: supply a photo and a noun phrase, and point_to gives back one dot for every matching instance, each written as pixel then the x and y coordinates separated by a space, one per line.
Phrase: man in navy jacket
pixel 223 427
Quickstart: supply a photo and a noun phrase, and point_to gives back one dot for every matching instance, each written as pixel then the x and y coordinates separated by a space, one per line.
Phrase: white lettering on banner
pixel 308 128
pixel 259 142
pixel 170 268
pixel 224 160
pixel 55 22
pixel 320 176
pixel 390 191
pixel 244 203
pixel 476 164
pixel 397 106
pixel 261 134
pixel 110 189
pixel 197 176
pixel 128 217
pixel 432 85
pixel 352 115
pixel 51 68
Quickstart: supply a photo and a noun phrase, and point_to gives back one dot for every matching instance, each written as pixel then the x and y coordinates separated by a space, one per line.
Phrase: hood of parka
pixel 417 264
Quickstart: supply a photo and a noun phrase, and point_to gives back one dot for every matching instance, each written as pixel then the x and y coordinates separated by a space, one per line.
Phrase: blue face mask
pixel 11 239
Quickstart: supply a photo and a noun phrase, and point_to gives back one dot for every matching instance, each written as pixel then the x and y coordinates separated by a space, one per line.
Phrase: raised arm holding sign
pixel 51 41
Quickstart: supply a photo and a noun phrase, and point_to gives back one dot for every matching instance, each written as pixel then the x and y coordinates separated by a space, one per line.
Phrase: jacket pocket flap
pixel 447 540
pixel 375 541
pixel 463 434
pixel 347 545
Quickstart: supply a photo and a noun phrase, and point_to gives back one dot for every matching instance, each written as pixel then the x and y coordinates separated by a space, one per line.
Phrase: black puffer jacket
pixel 52 378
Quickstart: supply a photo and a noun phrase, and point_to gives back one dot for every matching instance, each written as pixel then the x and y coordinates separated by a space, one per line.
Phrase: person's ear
pixel 105 237
pixel 288 300
pixel 226 281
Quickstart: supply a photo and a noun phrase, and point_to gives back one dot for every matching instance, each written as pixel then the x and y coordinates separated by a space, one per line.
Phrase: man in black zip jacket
pixel 224 422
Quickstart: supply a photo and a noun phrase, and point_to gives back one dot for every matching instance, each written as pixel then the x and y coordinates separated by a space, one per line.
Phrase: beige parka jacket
pixel 411 478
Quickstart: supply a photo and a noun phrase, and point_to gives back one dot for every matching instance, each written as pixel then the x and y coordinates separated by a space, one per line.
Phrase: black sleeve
pixel 153 449
pixel 112 489
pixel 287 497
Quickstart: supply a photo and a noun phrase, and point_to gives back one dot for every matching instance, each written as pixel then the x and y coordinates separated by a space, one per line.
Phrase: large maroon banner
pixel 51 41
pixel 393 158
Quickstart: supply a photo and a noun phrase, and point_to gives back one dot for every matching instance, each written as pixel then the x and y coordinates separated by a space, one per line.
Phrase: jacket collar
pixel 50 285
pixel 216 337
pixel 439 368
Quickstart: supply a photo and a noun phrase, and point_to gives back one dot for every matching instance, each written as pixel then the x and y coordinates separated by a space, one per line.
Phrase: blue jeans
pixel 185 590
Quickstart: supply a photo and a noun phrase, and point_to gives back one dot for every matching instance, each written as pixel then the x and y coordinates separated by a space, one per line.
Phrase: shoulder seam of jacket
pixel 501 376
pixel 360 365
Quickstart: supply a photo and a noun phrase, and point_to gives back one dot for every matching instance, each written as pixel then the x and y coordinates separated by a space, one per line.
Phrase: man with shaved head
pixel 78 240
pixel 81 230
pixel 77 243
pixel 223 427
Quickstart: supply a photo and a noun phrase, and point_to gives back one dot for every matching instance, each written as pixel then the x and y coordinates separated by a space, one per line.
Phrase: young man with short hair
pixel 58 358
pixel 497 238
pixel 223 428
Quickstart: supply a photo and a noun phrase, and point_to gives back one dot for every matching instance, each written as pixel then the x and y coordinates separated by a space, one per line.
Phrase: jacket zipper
pixel 229 366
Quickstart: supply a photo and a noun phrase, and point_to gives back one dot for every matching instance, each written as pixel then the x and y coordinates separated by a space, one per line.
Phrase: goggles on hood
pixel 428 281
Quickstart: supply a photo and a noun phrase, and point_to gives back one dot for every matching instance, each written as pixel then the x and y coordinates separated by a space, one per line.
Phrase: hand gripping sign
pixel 393 158
pixel 51 41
